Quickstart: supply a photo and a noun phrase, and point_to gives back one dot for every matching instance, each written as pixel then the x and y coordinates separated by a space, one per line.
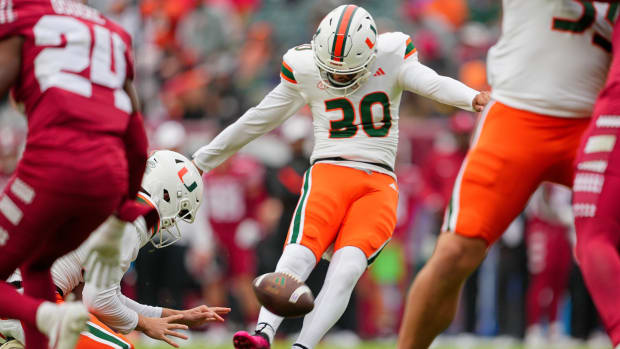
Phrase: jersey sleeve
pixel 109 306
pixel 280 104
pixel 287 74
pixel 418 78
pixel 410 51
pixel 294 65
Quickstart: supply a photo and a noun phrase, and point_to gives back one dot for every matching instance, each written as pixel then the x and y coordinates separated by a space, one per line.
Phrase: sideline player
pixel 596 200
pixel 85 152
pixel 174 187
pixel 352 78
pixel 545 72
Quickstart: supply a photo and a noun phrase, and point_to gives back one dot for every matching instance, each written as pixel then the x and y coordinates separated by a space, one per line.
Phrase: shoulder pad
pixel 296 62
pixel 396 43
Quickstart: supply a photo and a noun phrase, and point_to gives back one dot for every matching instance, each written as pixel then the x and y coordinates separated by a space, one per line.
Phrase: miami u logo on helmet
pixel 192 186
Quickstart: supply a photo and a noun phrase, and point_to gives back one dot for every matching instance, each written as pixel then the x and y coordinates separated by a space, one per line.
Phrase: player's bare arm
pixel 10 62
pixel 130 89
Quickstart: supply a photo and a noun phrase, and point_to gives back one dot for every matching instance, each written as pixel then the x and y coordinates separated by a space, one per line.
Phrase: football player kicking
pixel 173 186
pixel 352 78
pixel 596 199
pixel 84 158
pixel 545 72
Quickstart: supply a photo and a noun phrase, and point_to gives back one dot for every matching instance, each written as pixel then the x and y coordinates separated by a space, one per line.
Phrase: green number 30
pixel 346 128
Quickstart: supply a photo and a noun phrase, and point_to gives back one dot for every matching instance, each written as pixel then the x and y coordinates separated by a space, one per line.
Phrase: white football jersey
pixel 553 55
pixel 362 127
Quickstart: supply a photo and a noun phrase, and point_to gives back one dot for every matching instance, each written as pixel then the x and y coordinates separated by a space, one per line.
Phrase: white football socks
pixel 296 260
pixel 345 269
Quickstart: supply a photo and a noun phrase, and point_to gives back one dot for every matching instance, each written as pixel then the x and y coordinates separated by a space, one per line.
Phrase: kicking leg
pixel 346 267
pixel 296 260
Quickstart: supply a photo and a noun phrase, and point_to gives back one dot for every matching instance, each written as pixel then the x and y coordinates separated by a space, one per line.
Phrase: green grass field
pixel 363 346
pixel 368 345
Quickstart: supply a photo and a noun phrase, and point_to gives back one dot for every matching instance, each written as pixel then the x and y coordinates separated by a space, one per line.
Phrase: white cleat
pixel 62 323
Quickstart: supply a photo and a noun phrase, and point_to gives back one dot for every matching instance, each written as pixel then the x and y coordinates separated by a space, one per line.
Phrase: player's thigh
pixel 371 219
pixel 98 335
pixel 84 214
pixel 321 207
pixel 502 169
pixel 596 203
pixel 29 217
pixel 565 145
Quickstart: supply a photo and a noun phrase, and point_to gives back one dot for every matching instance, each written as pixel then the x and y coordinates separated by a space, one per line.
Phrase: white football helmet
pixel 344 48
pixel 174 185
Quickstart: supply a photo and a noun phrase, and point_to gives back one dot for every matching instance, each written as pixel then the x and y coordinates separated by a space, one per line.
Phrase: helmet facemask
pixel 168 232
pixel 329 77
pixel 166 180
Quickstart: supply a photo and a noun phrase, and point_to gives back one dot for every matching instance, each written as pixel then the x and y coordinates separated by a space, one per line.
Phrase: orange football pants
pixel 344 206
pixel 513 151
pixel 98 335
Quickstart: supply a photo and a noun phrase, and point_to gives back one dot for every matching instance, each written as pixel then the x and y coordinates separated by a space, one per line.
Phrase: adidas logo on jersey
pixel 379 72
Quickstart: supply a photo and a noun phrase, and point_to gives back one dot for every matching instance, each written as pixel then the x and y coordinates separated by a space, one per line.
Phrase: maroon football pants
pixel 596 205
pixel 36 227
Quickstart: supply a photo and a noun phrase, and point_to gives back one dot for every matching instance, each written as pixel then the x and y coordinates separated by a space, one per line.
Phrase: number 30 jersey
pixel 74 66
pixel 362 127
pixel 553 55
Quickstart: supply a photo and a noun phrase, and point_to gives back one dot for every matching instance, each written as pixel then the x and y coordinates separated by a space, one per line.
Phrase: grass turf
pixel 367 345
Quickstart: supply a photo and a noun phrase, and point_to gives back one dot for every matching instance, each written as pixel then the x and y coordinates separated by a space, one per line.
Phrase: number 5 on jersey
pixel 60 66
pixel 346 127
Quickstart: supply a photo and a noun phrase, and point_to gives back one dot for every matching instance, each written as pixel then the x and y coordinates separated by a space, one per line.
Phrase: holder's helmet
pixel 174 186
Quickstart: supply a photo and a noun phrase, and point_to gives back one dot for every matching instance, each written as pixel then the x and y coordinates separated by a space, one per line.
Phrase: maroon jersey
pixel 74 66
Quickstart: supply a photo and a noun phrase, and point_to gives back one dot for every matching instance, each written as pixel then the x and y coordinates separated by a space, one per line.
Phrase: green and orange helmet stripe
pixel 410 48
pixel 287 73
pixel 340 40
pixel 146 201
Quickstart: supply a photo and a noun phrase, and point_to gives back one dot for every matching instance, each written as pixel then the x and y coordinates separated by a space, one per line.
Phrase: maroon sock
pixel 14 305
pixel 37 284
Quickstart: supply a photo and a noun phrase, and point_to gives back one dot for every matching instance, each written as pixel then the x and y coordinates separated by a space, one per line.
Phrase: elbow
pixel 91 300
pixel 104 305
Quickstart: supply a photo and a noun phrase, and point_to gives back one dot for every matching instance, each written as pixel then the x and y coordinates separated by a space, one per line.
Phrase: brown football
pixel 283 294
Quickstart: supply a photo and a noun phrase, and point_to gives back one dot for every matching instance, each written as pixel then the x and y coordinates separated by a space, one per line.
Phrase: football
pixel 283 294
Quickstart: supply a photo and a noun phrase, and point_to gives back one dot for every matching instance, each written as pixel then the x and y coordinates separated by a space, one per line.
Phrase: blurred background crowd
pixel 202 63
